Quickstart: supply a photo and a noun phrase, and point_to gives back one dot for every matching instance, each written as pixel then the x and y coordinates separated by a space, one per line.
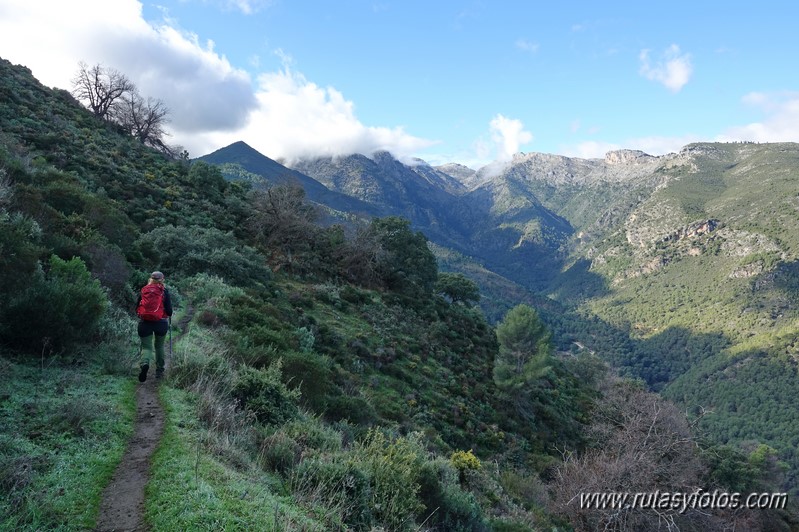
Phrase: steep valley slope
pixel 680 270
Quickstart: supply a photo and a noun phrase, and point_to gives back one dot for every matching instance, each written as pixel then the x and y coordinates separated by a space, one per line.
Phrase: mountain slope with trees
pixel 330 379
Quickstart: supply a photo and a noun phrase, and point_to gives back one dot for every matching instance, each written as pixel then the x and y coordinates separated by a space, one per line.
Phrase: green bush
pixel 205 287
pixel 314 376
pixel 279 452
pixel 192 250
pixel 394 468
pixel 340 487
pixel 201 353
pixel 56 310
pixel 19 237
pixel 354 408
pixel 446 505
pixel 262 392
pixel 311 433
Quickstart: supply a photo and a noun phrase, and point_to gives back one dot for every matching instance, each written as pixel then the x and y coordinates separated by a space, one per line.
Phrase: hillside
pixel 327 379
pixel 679 269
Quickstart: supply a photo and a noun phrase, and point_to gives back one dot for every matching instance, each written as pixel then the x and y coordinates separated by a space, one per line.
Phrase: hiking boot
pixel 143 372
pixel 159 372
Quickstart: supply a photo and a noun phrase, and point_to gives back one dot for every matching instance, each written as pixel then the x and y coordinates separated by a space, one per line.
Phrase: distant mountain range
pixel 680 269
pixel 517 218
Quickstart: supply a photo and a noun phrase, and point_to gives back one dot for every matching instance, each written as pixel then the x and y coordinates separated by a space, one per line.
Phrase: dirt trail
pixel 122 504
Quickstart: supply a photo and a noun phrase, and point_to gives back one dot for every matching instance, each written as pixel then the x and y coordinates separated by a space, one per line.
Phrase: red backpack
pixel 151 307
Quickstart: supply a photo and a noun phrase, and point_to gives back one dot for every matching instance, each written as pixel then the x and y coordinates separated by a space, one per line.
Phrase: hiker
pixel 154 307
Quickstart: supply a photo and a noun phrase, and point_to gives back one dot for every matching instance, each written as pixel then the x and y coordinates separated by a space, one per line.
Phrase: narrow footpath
pixel 122 504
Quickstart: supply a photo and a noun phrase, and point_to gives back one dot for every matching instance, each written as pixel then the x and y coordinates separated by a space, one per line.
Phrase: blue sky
pixel 447 81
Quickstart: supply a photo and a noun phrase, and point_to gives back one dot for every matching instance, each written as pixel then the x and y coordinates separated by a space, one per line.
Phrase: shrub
pixel 353 295
pixel 525 488
pixel 314 376
pixel 19 238
pixel 201 353
pixel 204 287
pixel 193 250
pixel 75 414
pixel 118 351
pixel 305 339
pixel 312 433
pixel 232 431
pixel 56 310
pixel 350 407
pixel 340 487
pixel 394 469
pixel 447 506
pixel 463 460
pixel 279 452
pixel 263 393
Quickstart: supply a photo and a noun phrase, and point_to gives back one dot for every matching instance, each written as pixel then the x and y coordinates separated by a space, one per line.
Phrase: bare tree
pixel 282 223
pixel 360 258
pixel 99 88
pixel 642 444
pixel 143 118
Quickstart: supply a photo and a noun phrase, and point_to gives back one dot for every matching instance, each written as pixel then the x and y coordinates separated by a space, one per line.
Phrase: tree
pixel 407 266
pixel 282 224
pixel 143 118
pixel 209 179
pixel 458 288
pixel 642 444
pixel 100 88
pixel 360 258
pixel 535 385
pixel 523 341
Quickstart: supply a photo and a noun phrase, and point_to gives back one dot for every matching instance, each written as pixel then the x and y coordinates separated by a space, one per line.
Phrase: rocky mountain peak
pixel 627 156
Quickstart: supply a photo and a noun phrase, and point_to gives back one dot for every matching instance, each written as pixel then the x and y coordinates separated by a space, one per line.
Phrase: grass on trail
pixel 63 429
pixel 193 488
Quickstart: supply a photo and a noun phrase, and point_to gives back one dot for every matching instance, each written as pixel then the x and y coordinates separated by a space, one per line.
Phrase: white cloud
pixel 248 7
pixel 527 46
pixel 200 87
pixel 780 122
pixel 296 118
pixel 210 100
pixel 673 70
pixel 508 135
pixel 590 149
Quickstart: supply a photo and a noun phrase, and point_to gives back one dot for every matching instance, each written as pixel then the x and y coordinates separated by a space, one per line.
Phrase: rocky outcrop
pixel 692 230
pixel 627 157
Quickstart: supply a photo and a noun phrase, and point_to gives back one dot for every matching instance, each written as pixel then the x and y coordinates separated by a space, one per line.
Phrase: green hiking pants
pixel 147 345
pixel 153 337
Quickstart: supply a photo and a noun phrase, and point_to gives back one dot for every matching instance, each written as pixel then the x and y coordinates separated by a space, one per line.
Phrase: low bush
pixel 394 468
pixel 279 452
pixel 201 353
pixel 446 505
pixel 262 392
pixel 340 488
pixel 57 309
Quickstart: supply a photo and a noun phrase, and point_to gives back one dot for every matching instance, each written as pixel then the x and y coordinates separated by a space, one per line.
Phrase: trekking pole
pixel 170 336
